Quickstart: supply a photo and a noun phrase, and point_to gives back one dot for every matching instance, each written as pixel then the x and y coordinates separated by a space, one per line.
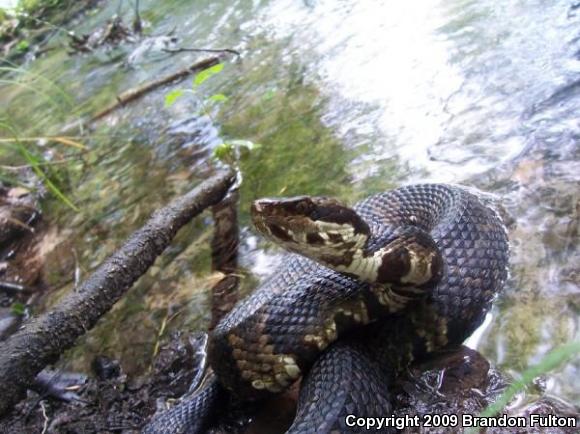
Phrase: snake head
pixel 320 228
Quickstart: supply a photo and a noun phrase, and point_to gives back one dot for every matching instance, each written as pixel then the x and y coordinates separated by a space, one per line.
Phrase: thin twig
pixel 45 424
pixel 137 23
pixel 202 50
pixel 20 223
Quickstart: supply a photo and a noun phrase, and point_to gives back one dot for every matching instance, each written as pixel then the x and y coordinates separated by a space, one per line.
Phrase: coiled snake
pixel 402 274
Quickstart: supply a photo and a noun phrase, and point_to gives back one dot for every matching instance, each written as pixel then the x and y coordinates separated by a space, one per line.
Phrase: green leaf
pixel 249 145
pixel 218 97
pixel 269 95
pixel 207 73
pixel 552 360
pixel 23 46
pixel 172 96
pixel 256 146
pixel 18 308
pixel 35 163
pixel 224 152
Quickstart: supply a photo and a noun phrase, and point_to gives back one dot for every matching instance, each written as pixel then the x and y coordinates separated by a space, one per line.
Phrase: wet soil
pixel 110 401
pixel 457 383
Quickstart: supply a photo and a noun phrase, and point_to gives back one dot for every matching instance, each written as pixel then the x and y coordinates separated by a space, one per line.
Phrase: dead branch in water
pixel 202 50
pixel 43 339
pixel 136 93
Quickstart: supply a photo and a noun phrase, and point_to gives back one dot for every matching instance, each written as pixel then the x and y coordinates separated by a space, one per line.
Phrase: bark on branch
pixel 43 339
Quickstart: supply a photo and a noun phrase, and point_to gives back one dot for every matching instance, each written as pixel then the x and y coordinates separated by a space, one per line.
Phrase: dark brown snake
pixel 406 272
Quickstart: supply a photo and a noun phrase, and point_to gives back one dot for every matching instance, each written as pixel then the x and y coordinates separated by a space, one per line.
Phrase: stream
pixel 345 99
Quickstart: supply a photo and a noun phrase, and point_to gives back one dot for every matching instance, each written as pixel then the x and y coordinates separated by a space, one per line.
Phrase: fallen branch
pixel 43 339
pixel 138 92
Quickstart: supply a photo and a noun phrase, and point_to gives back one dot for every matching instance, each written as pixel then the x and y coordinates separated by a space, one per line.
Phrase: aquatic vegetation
pixel 442 95
pixel 17 149
pixel 554 359
pixel 230 151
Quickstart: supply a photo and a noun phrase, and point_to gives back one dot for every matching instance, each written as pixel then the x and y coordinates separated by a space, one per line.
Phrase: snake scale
pixel 365 291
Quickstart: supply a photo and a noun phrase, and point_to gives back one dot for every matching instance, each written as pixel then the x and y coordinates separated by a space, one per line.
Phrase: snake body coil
pixel 402 274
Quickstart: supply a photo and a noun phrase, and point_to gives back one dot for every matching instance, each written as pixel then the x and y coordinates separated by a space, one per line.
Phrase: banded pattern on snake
pixel 403 273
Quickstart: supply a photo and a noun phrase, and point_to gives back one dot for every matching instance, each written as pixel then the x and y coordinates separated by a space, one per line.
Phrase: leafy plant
pixel 18 308
pixel 231 151
pixel 198 80
pixel 36 162
pixel 34 5
pixel 172 96
pixel 551 361
pixel 207 73
pixel 23 46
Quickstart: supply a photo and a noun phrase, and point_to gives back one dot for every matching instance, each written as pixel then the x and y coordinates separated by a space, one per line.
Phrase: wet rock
pixel 106 368
pixel 59 385
pixel 455 383
pixel 112 34
pixel 150 49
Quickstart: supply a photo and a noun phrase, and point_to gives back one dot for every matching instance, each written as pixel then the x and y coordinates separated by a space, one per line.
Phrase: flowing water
pixel 346 99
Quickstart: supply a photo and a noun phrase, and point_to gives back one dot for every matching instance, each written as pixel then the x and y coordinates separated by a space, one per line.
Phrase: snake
pixel 362 293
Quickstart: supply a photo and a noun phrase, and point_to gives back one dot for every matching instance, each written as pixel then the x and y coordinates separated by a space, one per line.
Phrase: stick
pixel 202 50
pixel 135 93
pixel 43 339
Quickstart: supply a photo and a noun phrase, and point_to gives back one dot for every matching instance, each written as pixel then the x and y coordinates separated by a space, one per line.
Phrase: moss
pixel 526 323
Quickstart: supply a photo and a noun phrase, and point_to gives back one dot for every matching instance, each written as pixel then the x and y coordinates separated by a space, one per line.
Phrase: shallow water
pixel 346 99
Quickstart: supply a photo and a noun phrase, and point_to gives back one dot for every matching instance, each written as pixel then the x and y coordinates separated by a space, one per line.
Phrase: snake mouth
pixel 282 219
pixel 279 229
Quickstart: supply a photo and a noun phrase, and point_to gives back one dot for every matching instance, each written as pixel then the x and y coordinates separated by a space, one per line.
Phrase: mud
pixel 110 401
pixel 457 383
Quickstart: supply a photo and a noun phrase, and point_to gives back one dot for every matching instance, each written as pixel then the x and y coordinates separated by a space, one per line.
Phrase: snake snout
pixel 256 207
pixel 263 207
pixel 262 212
